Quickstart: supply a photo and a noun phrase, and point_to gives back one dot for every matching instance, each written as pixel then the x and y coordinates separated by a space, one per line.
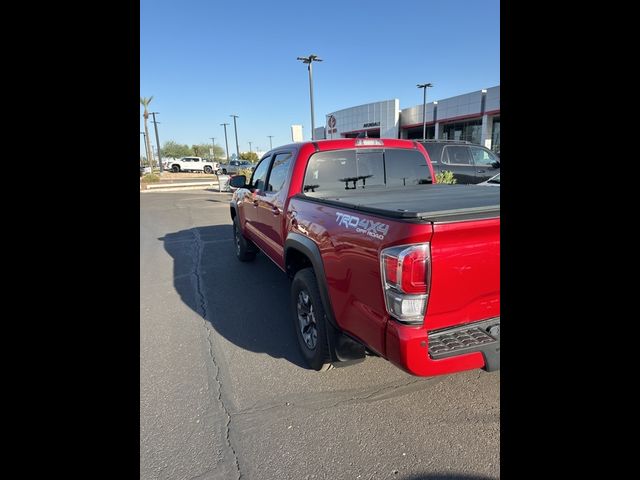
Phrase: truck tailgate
pixel 465 273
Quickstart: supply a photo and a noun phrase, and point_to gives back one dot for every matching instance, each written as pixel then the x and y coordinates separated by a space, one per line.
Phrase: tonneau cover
pixel 432 203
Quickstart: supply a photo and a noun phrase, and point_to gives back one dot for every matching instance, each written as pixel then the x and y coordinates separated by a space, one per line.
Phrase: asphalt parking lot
pixel 224 392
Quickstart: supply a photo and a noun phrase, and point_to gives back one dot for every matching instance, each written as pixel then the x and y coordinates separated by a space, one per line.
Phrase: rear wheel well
pixel 296 261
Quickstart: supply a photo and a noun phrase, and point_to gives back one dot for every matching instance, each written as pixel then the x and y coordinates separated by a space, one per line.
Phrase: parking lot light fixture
pixel 424 87
pixel 309 61
pixel 213 144
pixel 270 143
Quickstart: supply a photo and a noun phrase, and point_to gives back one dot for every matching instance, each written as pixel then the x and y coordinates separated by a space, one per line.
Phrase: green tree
pixel 200 150
pixel 144 101
pixel 251 156
pixel 218 152
pixel 203 150
pixel 175 150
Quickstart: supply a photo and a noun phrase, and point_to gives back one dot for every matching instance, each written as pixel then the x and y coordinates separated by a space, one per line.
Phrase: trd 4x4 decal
pixel 363 225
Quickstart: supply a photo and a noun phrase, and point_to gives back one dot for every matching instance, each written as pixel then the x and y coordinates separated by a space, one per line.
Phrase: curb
pixel 177 189
pixel 154 186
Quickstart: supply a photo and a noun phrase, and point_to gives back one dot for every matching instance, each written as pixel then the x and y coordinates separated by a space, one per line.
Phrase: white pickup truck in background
pixel 192 164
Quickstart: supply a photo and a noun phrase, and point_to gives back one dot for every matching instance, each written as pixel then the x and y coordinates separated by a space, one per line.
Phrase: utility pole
pixel 213 143
pixel 226 144
pixel 424 86
pixel 235 127
pixel 309 60
pixel 270 144
pixel 249 147
pixel 155 125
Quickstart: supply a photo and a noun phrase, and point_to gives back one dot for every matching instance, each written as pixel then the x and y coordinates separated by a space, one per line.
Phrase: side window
pixel 433 151
pixel 196 159
pixel 279 171
pixel 457 155
pixel 483 157
pixel 260 174
pixel 186 159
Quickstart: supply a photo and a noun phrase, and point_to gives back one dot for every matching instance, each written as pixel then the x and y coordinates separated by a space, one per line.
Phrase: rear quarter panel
pixel 352 265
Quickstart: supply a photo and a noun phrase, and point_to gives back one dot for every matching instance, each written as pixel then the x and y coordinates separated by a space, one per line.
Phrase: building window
pixel 416 132
pixel 470 131
pixel 495 135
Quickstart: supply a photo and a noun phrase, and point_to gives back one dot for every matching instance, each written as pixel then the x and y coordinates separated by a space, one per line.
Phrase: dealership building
pixel 474 117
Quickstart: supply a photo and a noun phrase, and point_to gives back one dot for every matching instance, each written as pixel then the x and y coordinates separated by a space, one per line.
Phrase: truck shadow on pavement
pixel 446 476
pixel 246 303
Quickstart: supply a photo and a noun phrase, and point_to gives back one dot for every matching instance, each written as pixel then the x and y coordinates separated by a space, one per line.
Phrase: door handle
pixel 275 210
pixel 255 203
pixel 481 171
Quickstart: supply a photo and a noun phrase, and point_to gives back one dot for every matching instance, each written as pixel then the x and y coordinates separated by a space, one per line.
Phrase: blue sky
pixel 205 60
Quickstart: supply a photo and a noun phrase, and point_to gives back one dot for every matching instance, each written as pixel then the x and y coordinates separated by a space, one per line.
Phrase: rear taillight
pixel 405 279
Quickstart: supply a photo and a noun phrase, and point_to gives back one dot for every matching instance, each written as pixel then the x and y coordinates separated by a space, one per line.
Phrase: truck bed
pixel 428 203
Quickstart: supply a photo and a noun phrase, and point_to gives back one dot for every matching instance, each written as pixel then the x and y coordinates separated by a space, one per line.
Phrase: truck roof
pixel 345 143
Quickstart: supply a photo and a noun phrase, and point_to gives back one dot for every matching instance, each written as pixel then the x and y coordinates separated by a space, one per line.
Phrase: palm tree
pixel 144 101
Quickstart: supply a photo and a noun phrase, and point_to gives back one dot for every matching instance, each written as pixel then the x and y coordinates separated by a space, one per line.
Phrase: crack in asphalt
pixel 197 258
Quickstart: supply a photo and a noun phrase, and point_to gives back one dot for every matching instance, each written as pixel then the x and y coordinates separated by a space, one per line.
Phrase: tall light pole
pixel 270 144
pixel 226 144
pixel 424 87
pixel 144 137
pixel 235 127
pixel 250 146
pixel 155 125
pixel 213 144
pixel 309 60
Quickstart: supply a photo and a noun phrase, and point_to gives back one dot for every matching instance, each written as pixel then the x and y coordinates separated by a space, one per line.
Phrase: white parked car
pixel 193 164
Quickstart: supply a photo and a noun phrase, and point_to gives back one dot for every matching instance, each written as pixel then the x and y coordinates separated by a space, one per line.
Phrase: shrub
pixel 445 176
pixel 246 172
pixel 150 178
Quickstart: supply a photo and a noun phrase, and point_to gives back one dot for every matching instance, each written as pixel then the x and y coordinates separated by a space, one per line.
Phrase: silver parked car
pixel 234 166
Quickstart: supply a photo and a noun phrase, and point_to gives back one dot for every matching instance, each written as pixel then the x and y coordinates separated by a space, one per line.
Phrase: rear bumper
pixel 439 352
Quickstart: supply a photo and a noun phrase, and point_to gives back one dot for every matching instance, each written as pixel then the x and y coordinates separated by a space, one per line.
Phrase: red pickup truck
pixel 383 260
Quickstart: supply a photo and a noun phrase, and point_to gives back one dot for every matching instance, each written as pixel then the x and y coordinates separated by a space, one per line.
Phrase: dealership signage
pixel 331 123
pixel 371 124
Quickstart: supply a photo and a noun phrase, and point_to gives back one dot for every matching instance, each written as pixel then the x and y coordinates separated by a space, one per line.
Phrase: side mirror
pixel 238 181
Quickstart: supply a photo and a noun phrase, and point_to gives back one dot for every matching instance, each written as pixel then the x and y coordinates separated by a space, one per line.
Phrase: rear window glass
pixel 347 171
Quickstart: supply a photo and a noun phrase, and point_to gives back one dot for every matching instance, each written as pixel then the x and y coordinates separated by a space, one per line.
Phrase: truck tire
pixel 175 168
pixel 245 249
pixel 309 320
pixel 207 169
pixel 224 171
